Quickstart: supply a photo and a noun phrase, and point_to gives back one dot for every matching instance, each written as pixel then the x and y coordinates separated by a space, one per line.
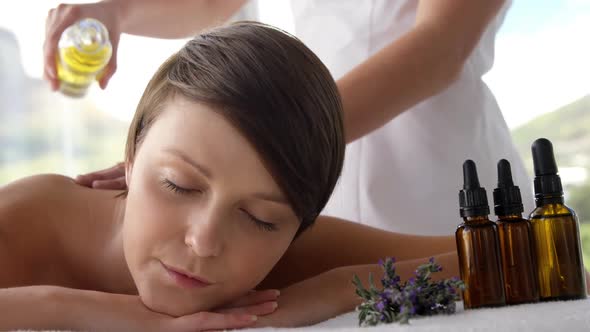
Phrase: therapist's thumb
pixel 104 77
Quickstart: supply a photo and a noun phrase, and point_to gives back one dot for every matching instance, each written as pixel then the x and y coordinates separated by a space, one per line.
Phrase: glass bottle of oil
pixel 477 245
pixel 514 233
pixel 555 230
pixel 84 50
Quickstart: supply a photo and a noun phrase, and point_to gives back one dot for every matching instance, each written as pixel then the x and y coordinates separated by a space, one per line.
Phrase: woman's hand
pixel 118 312
pixel 253 303
pixel 110 178
pixel 61 17
pixel 241 313
pixel 61 308
pixel 133 315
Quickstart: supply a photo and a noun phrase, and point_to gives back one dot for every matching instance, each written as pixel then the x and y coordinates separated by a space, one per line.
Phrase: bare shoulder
pixel 28 209
pixel 20 196
pixel 37 183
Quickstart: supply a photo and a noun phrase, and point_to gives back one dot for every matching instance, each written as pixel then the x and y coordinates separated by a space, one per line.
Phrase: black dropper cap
pixel 472 199
pixel 547 182
pixel 507 199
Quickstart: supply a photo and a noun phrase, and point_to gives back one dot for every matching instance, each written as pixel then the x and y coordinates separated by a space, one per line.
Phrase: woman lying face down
pixel 234 150
pixel 231 153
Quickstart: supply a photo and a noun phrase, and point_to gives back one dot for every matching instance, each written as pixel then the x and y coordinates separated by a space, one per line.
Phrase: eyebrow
pixel 271 197
pixel 204 170
pixel 207 173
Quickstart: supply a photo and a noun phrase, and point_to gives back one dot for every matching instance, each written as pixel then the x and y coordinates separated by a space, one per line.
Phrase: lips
pixel 185 279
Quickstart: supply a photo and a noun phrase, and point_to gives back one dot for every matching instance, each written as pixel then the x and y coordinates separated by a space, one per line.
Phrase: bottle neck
pixel 476 219
pixel 510 217
pixel 90 36
pixel 541 200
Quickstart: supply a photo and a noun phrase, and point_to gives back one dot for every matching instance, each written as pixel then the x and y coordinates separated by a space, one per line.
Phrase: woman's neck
pixel 100 264
pixel 117 278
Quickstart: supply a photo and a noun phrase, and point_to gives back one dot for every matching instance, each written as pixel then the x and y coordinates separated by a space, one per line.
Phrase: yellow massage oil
pixel 84 50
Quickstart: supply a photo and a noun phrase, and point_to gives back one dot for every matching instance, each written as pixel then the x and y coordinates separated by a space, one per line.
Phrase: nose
pixel 204 235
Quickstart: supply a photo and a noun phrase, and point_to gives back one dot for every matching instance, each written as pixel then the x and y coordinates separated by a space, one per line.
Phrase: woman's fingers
pixel 254 297
pixel 206 321
pixel 255 309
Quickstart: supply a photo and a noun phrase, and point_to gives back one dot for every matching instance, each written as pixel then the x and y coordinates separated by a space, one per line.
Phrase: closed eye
pixel 261 224
pixel 175 188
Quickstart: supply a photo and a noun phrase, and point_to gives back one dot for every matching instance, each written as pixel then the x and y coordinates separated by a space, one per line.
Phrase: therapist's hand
pixel 61 17
pixel 111 178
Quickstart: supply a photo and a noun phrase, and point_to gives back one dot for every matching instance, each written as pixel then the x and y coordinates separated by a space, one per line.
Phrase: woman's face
pixel 201 205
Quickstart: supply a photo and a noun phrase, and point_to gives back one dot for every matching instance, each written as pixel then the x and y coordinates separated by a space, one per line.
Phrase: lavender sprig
pixel 397 302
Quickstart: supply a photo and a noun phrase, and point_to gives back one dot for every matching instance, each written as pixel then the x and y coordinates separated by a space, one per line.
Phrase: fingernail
pixel 252 318
pixel 274 305
pixel 277 293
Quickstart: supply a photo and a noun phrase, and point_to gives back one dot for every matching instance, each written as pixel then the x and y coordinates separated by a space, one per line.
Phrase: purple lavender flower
pixel 399 302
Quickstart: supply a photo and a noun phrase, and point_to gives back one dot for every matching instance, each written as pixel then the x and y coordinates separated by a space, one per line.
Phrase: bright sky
pixel 542 55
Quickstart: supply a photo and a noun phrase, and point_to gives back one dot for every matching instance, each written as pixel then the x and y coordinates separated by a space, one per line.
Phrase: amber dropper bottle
pixel 477 246
pixel 514 233
pixel 555 230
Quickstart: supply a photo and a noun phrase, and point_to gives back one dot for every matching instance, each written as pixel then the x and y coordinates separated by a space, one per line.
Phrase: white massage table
pixel 563 316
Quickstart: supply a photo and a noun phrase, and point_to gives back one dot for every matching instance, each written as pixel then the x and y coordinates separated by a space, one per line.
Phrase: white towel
pixel 561 316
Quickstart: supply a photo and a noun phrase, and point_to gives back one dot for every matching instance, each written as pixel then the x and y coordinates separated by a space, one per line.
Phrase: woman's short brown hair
pixel 273 89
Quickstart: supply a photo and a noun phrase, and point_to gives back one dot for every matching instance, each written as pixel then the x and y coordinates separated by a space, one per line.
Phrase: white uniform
pixel 405 176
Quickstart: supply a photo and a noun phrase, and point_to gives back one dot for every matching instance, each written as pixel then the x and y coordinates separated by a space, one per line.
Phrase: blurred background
pixel 541 79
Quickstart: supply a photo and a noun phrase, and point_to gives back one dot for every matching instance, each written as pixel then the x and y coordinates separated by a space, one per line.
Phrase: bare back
pixel 55 232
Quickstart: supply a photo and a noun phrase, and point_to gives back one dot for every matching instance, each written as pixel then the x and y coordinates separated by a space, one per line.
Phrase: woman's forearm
pixel 333 242
pixel 60 308
pixel 35 308
pixel 332 293
pixel 172 18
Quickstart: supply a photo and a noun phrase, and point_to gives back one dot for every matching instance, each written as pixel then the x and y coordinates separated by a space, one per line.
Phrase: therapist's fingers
pixel 108 72
pixel 112 173
pixel 116 184
pixel 58 19
pixel 63 16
